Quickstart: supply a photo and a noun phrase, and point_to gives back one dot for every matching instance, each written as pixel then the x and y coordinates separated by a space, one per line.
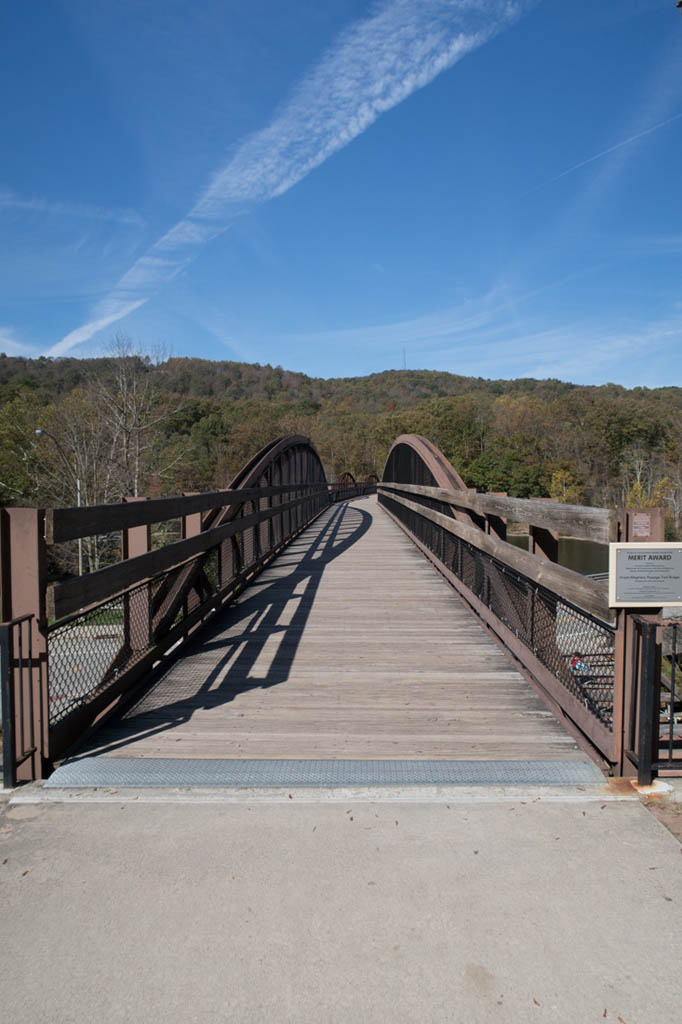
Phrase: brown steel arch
pixel 292 457
pixel 290 463
pixel 416 460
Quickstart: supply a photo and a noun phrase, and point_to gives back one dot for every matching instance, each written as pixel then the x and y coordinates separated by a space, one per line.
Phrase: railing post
pixel 136 540
pixel 641 525
pixel 25 592
pixel 543 542
pixel 270 529
pixel 8 743
pixel 647 746
pixel 496 526
pixel 191 526
pixel 622 693
pixel 629 666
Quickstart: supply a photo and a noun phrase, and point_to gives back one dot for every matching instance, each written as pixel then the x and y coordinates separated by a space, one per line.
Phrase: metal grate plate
pixel 199 772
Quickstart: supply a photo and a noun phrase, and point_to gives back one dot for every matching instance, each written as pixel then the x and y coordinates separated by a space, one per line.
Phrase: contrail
pixel 605 152
pixel 371 67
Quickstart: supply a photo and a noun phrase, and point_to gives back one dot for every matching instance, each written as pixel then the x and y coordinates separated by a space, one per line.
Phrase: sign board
pixel 641 524
pixel 645 575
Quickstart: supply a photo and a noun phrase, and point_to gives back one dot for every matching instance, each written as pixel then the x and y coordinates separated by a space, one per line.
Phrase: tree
pixel 566 485
pixel 515 465
pixel 99 442
pixel 134 405
pixel 19 460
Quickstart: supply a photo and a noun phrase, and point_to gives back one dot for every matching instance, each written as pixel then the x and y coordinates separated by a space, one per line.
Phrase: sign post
pixel 644 577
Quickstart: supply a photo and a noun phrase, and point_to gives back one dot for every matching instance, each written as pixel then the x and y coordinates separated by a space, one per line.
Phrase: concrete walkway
pixel 561 906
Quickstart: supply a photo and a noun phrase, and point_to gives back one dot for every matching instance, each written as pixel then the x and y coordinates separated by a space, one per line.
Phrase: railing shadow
pixel 252 645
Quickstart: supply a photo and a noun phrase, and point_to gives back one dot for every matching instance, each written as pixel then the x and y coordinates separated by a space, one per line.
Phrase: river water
pixel 582 556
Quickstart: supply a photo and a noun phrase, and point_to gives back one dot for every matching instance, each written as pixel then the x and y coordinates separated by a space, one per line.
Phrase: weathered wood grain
pixel 82 591
pixel 62 524
pixel 349 645
pixel 596 524
pixel 579 590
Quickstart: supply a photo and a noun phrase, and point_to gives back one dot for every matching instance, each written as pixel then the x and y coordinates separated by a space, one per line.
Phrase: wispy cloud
pixel 667 243
pixel 627 353
pixel 375 64
pixel 109 312
pixel 11 201
pixel 492 336
pixel 11 346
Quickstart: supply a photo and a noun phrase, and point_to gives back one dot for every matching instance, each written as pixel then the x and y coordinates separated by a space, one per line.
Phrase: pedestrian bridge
pixel 301 633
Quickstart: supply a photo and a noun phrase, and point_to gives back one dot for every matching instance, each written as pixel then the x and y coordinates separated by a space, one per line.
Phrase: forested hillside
pixel 129 425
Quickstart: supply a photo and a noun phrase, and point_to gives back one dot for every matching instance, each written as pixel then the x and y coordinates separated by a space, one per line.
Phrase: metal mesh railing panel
pixel 83 653
pixel 574 646
pixel 89 651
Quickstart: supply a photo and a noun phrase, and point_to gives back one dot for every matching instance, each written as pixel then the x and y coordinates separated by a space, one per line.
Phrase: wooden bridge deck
pixel 350 646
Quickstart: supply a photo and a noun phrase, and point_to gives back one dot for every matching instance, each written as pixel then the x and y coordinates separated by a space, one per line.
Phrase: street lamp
pixel 42 432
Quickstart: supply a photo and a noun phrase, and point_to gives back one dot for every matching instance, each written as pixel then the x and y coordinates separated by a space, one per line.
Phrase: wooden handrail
pixel 63 524
pixel 596 524
pixel 103 584
pixel 577 589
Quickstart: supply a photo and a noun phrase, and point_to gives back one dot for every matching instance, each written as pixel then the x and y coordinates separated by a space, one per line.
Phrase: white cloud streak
pixel 10 346
pixel 375 64
pixel 481 338
pixel 11 201
pixel 109 312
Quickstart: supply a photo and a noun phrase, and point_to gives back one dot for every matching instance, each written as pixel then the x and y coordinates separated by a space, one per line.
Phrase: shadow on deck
pixel 250 646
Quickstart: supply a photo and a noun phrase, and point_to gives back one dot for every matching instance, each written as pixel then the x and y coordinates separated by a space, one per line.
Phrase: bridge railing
pixel 586 658
pixel 554 621
pixel 345 492
pixel 76 647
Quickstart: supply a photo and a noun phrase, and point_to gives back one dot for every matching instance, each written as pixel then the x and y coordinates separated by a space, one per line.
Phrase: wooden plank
pixel 102 703
pixel 557 696
pixel 83 591
pixel 597 524
pixel 62 524
pixel 348 646
pixel 570 586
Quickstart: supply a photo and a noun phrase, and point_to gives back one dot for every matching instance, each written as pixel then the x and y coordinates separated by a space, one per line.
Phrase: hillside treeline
pixel 129 424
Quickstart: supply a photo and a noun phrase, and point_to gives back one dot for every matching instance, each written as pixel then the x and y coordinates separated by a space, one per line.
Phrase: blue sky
pixel 492 187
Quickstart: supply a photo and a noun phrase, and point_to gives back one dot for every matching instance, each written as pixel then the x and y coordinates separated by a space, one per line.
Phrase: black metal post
pixel 647 750
pixel 673 667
